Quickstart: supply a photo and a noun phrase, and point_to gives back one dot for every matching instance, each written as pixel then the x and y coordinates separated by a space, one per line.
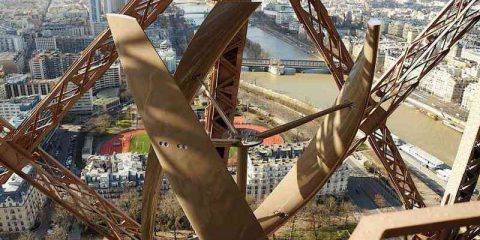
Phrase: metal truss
pixel 430 47
pixel 223 87
pixel 19 147
pixel 405 223
pixel 322 31
pixel 63 187
pixel 317 23
pixel 96 59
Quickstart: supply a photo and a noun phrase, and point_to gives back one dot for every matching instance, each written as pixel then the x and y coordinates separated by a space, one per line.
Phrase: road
pixel 363 186
pixel 430 186
pixel 62 145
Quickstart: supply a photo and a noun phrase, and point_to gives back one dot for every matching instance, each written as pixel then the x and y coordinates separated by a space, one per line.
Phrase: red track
pixel 119 143
pixel 240 123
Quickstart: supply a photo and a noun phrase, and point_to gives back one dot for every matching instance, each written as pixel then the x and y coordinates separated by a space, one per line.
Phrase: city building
pixel 9 108
pixel 18 85
pixel 84 105
pixel 469 95
pixel 269 164
pixel 46 43
pixel 105 104
pixel 110 79
pixel 447 83
pixel 112 175
pixel 168 55
pixel 12 62
pixel 98 27
pixel 64 29
pixel 11 43
pixel 20 204
pixel 113 6
pixel 95 10
pixel 50 64
pixel 63 44
pixel 395 28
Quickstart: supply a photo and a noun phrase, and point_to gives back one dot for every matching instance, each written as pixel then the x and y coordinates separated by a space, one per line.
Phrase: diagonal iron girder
pixel 430 47
pixel 19 147
pixel 223 86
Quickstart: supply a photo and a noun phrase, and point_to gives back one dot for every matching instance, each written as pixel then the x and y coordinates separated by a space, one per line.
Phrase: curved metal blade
pixel 327 150
pixel 209 42
pixel 151 194
pixel 202 184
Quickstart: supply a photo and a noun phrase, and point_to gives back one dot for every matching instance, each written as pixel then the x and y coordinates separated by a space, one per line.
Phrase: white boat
pixel 453 126
pixel 444 173
pixel 422 157
pixel 276 69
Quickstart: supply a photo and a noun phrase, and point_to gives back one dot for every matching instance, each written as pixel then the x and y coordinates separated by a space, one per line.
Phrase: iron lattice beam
pixel 92 64
pixel 66 189
pixel 223 86
pixel 430 47
pixel 317 23
pixel 322 32
pixel 19 147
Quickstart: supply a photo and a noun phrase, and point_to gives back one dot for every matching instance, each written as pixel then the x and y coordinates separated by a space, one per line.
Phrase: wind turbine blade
pixel 299 122
pixel 202 184
pixel 329 147
pixel 211 39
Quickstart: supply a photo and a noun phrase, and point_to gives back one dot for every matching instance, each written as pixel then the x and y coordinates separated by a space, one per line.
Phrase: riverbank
pixel 319 91
pixel 294 42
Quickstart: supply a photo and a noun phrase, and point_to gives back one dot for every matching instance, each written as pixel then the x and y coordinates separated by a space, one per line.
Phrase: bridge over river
pixel 296 64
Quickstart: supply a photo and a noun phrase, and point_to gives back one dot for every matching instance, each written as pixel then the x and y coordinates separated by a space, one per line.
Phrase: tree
pixel 379 201
pixel 170 214
pixel 62 218
pixel 26 236
pixel 131 203
pixel 346 209
pixel 313 210
pixel 58 233
pixel 292 229
pixel 99 124
pixel 331 208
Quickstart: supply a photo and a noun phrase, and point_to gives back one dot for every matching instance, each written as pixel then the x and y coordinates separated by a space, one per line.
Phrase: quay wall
pixel 287 101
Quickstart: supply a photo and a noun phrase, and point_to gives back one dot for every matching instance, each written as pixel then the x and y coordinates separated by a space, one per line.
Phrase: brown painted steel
pixel 296 123
pixel 52 179
pixel 434 42
pixel 91 65
pixel 466 167
pixel 223 86
pixel 330 145
pixel 316 22
pixel 213 34
pixel 408 222
pixel 66 189
pixel 340 62
pixel 209 42
pixel 151 194
pixel 203 186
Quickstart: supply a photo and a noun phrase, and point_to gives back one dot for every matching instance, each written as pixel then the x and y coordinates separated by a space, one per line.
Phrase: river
pixel 320 91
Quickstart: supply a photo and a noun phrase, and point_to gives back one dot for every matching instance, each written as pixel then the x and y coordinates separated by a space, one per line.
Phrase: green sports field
pixel 140 143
